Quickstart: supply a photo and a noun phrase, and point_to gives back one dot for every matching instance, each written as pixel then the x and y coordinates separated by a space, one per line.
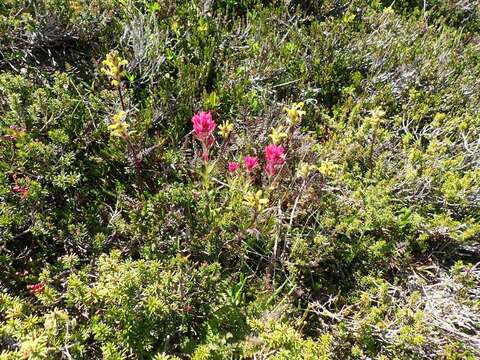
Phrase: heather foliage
pixel 239 179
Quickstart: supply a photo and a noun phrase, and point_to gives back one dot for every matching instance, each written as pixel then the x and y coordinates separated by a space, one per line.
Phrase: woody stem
pixel 120 94
pixel 137 163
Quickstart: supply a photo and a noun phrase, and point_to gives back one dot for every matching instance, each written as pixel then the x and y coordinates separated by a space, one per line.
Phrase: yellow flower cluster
pixel 114 67
pixel 256 200
pixel 119 127
pixel 225 129
pixel 294 113
pixel 294 117
pixel 328 168
pixel 77 7
pixel 278 134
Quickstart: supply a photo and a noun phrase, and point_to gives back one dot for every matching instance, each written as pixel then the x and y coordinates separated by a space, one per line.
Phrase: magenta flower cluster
pixel 250 162
pixel 203 127
pixel 274 157
pixel 233 166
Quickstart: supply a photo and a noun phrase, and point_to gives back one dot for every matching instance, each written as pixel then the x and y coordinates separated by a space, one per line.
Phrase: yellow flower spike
pixel 114 67
pixel 294 113
pixel 278 135
pixel 119 117
pixel 305 169
pixel 119 127
pixel 256 200
pixel 225 129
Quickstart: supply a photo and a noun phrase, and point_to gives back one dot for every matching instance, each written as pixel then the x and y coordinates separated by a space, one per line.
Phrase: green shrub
pixel 361 119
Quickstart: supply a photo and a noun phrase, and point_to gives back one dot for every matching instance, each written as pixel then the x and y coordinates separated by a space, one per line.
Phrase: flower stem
pixel 133 152
pixel 120 94
pixel 138 165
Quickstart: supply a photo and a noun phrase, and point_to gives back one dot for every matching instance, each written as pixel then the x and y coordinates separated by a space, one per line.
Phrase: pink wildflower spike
pixel 250 162
pixel 203 125
pixel 233 166
pixel 274 157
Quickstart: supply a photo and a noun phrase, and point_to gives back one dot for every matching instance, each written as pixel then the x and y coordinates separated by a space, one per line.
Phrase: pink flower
pixel 250 162
pixel 274 157
pixel 203 124
pixel 274 154
pixel 20 190
pixel 233 166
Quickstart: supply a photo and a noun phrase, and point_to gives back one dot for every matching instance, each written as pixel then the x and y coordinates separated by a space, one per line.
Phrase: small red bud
pixel 35 289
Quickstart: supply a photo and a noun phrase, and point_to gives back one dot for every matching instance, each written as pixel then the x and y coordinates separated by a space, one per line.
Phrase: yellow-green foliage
pixel 126 232
pixel 277 340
